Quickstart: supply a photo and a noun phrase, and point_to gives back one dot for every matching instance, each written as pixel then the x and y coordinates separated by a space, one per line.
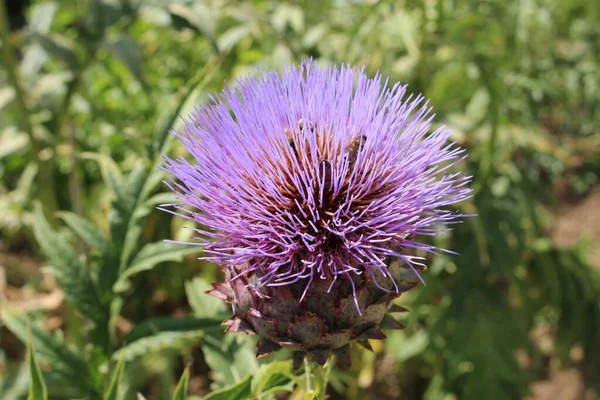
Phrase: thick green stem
pixel 45 177
pixel 307 375
pixel 317 379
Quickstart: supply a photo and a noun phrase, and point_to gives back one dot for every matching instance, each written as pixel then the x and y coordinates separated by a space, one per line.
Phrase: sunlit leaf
pixel 232 37
pixel 41 16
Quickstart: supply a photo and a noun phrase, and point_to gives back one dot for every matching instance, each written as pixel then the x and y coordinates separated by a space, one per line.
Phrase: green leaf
pixel 34 58
pixel 156 326
pixel 103 14
pixel 22 194
pixel 182 386
pixel 160 333
pixel 126 49
pixel 126 229
pixel 273 378
pixel 403 347
pixel 41 17
pixel 232 37
pixel 237 391
pixel 13 381
pixel 151 255
pixel 230 357
pixel 112 391
pixel 111 173
pixel 11 142
pixel 7 95
pixel 200 17
pixel 124 215
pixel 106 273
pixel 87 231
pixel 53 351
pixel 67 268
pixel 161 198
pixel 56 46
pixel 185 99
pixel 203 304
pixel 37 386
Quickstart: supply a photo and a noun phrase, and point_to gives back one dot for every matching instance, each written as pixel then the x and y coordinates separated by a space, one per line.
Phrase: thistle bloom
pixel 310 189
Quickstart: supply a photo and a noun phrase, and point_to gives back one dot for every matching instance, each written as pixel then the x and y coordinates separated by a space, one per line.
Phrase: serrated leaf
pixel 112 390
pixel 153 344
pixel 237 391
pixel 87 231
pixel 37 386
pixel 67 268
pixel 203 304
pixel 123 216
pixel 53 351
pixel 182 387
pixel 162 333
pixel 150 256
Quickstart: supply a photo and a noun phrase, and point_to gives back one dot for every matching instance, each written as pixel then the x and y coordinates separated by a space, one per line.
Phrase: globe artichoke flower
pixel 310 189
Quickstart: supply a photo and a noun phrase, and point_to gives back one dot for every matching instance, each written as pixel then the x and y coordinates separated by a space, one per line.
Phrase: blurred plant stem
pixel 62 123
pixel 75 189
pixel 487 79
pixel 317 378
pixel 45 174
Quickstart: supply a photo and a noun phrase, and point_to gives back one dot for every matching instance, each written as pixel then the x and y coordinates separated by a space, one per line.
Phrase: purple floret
pixel 317 173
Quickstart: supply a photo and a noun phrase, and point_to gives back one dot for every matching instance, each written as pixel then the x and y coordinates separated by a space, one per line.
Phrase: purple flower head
pixel 318 173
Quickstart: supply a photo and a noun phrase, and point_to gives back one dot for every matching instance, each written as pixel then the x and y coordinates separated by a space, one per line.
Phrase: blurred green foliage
pixel 89 91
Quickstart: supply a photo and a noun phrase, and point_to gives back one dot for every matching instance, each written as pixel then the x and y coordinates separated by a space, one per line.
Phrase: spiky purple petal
pixel 316 174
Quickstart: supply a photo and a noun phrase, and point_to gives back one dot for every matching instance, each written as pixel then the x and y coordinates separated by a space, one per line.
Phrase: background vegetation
pixel 88 93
